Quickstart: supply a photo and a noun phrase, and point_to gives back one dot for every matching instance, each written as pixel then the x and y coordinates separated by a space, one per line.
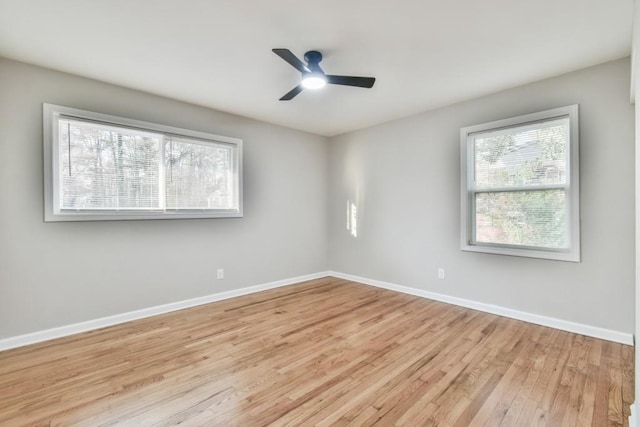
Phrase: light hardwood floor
pixel 324 352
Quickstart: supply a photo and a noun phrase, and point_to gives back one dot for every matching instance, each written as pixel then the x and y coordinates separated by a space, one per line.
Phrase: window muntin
pixel 520 186
pixel 101 167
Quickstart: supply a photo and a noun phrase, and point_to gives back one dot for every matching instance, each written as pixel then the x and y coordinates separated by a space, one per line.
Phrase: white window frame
pixel 572 187
pixel 51 116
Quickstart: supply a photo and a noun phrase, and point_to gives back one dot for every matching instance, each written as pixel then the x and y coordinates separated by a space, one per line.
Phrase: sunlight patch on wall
pixel 352 218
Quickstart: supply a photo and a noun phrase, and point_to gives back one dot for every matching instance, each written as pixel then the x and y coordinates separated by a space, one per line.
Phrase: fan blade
pixel 351 81
pixel 288 56
pixel 292 93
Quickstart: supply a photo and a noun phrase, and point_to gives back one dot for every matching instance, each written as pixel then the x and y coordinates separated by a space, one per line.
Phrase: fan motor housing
pixel 313 57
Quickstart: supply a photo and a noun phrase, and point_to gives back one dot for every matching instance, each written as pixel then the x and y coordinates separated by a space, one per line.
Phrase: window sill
pixel 103 216
pixel 527 253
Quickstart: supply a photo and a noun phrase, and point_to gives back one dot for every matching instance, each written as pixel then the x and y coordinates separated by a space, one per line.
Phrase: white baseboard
pixel 632 418
pixel 564 325
pixel 62 331
pixel 75 328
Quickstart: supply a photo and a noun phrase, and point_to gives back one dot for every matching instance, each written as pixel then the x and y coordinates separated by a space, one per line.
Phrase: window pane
pixel 199 175
pixel 107 167
pixel 534 154
pixel 527 218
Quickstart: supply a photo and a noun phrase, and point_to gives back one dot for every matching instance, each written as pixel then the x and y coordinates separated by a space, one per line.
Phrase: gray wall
pixel 55 274
pixel 404 177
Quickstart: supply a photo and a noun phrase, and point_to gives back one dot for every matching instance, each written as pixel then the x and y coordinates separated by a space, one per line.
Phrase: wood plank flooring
pixel 324 352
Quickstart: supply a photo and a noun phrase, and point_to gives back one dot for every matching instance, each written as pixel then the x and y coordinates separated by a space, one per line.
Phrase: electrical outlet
pixel 220 273
pixel 440 273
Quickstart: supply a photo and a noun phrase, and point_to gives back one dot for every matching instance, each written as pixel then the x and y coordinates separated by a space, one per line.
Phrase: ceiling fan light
pixel 314 81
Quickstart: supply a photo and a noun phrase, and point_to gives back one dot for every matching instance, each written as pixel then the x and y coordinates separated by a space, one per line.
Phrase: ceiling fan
pixel 312 75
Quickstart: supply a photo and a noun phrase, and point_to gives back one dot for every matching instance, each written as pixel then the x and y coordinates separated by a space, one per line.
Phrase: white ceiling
pixel 217 53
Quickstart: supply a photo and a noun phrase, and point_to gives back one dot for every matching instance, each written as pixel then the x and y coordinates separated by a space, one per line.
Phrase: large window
pixel 520 189
pixel 100 167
